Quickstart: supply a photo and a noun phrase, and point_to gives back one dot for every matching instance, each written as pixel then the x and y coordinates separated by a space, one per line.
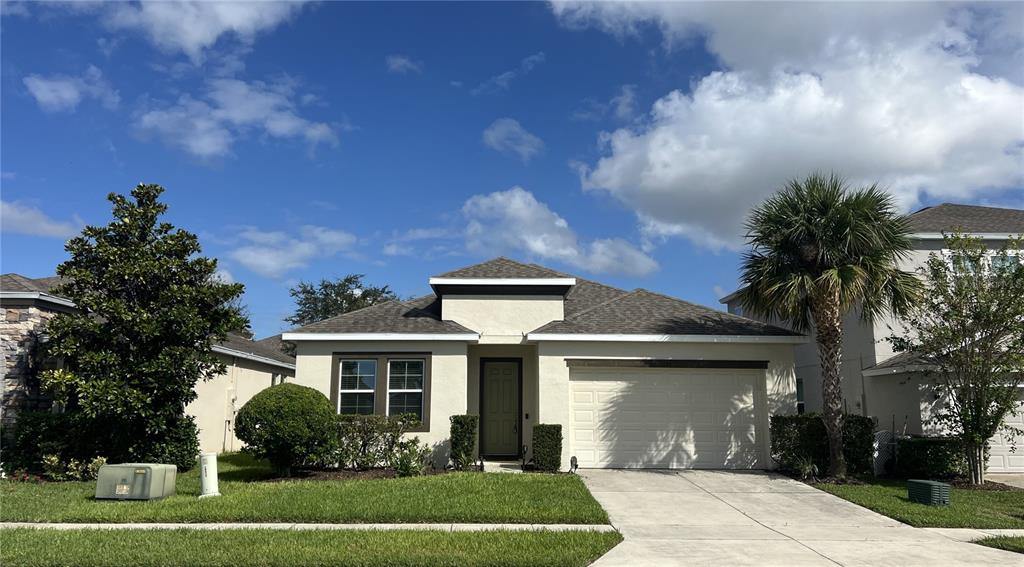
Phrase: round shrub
pixel 288 425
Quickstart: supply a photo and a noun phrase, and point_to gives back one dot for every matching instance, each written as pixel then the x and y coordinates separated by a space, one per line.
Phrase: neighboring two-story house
pixel 635 378
pixel 28 304
pixel 892 387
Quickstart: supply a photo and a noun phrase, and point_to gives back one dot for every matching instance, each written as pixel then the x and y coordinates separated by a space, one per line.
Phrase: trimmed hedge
pixel 547 447
pixel 930 458
pixel 370 441
pixel 463 437
pixel 288 425
pixel 797 438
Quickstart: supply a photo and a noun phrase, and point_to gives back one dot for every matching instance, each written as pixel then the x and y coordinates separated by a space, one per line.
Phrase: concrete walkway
pixel 752 518
pixel 1015 480
pixel 290 526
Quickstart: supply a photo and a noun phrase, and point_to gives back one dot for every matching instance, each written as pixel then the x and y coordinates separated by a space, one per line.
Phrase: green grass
pixel 1015 544
pixel 982 509
pixel 455 497
pixel 266 548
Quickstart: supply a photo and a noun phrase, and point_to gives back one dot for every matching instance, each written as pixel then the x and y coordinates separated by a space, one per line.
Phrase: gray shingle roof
pixel 257 348
pixel 969 218
pixel 18 282
pixel 909 358
pixel 643 312
pixel 502 267
pixel 420 315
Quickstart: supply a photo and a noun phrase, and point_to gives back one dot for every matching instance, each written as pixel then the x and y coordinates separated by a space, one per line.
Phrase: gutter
pixel 38 296
pixel 251 356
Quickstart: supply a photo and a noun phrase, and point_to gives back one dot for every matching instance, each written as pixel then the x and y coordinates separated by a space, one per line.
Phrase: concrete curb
pixel 973 534
pixel 303 527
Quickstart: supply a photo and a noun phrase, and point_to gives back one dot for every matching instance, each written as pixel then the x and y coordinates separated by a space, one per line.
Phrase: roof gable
pixel 503 268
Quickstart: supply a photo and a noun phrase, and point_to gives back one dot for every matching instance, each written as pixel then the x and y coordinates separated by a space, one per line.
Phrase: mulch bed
pixel 989 485
pixel 342 474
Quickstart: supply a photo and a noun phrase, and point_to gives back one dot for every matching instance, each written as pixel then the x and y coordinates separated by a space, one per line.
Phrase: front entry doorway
pixel 500 407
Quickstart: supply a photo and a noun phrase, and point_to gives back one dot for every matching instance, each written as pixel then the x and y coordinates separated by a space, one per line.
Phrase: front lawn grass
pixel 266 548
pixel 1015 544
pixel 455 497
pixel 982 509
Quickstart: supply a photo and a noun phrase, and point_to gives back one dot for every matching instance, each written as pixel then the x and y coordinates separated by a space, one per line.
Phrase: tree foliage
pixel 150 311
pixel 968 328
pixel 818 251
pixel 316 302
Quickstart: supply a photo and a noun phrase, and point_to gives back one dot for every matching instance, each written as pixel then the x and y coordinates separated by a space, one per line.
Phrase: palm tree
pixel 818 251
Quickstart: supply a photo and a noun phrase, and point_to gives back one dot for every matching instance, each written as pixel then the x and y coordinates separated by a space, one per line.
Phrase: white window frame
pixel 421 390
pixel 986 262
pixel 373 391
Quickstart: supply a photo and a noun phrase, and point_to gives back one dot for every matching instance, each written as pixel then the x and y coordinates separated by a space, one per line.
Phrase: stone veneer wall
pixel 20 329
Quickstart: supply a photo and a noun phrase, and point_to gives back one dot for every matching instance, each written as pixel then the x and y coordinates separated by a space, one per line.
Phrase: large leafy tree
pixel 151 308
pixel 818 251
pixel 968 329
pixel 316 302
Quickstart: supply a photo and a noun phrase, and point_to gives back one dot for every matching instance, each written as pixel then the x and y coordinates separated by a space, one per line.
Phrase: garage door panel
pixel 664 419
pixel 1006 451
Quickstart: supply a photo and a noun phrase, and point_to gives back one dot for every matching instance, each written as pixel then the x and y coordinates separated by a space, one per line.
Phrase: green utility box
pixel 928 492
pixel 136 481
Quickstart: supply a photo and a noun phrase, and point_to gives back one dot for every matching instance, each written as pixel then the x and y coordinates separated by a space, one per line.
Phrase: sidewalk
pixel 292 526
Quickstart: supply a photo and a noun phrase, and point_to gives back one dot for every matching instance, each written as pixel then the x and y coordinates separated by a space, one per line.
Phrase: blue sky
pixel 621 142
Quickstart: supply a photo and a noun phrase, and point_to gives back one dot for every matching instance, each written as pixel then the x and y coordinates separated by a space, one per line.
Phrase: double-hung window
pixel 384 384
pixel 358 386
pixel 405 387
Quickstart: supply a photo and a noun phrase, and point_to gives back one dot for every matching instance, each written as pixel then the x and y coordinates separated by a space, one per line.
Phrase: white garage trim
pixel 668 418
pixel 618 338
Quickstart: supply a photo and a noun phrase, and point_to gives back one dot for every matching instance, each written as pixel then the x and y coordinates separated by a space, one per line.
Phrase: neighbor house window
pixel 276 379
pixel 357 386
pixel 405 387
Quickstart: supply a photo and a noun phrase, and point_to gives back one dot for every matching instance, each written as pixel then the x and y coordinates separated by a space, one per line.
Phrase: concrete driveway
pixel 755 518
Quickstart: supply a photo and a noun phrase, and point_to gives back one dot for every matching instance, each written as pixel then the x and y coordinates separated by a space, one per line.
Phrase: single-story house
pixel 28 304
pixel 635 378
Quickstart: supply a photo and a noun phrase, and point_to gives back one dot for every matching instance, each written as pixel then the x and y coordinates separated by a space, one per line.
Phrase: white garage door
pixel 1002 458
pixel 678 418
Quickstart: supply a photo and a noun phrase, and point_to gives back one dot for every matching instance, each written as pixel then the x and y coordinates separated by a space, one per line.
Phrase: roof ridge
pixel 346 314
pixel 602 304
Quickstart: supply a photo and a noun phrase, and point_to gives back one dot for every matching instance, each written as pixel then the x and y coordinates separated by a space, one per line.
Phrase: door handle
pixel 515 428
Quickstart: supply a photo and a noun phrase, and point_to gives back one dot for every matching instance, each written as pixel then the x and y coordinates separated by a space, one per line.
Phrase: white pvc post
pixel 208 475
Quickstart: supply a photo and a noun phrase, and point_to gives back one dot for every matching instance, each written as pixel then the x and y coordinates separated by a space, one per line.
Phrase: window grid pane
pixel 357 383
pixel 406 402
pixel 405 375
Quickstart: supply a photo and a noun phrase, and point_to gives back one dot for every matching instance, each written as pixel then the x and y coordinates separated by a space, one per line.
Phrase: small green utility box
pixel 928 492
pixel 136 481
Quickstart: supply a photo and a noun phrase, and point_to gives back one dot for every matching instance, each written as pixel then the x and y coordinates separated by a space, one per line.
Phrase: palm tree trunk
pixel 829 336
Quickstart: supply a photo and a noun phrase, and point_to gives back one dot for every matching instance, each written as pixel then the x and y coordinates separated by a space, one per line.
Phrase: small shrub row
pixel 547 447
pixel 377 441
pixel 293 426
pixel 800 443
pixel 930 458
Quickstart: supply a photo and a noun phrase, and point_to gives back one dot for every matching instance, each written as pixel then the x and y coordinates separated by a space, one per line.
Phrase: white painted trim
pixel 502 281
pixel 38 296
pixel 380 337
pixel 786 339
pixel 251 356
pixel 981 235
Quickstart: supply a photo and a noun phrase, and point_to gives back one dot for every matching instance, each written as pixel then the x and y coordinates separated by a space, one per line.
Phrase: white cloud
pixel 403 64
pixel 501 81
pixel 19 218
pixel 193 27
pixel 622 106
pixel 63 93
pixel 274 253
pixel 231 109
pixel 508 136
pixel 223 276
pixel 894 93
pixel 514 220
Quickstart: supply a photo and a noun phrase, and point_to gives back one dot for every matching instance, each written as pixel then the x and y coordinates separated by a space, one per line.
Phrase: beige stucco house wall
pixel 219 399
